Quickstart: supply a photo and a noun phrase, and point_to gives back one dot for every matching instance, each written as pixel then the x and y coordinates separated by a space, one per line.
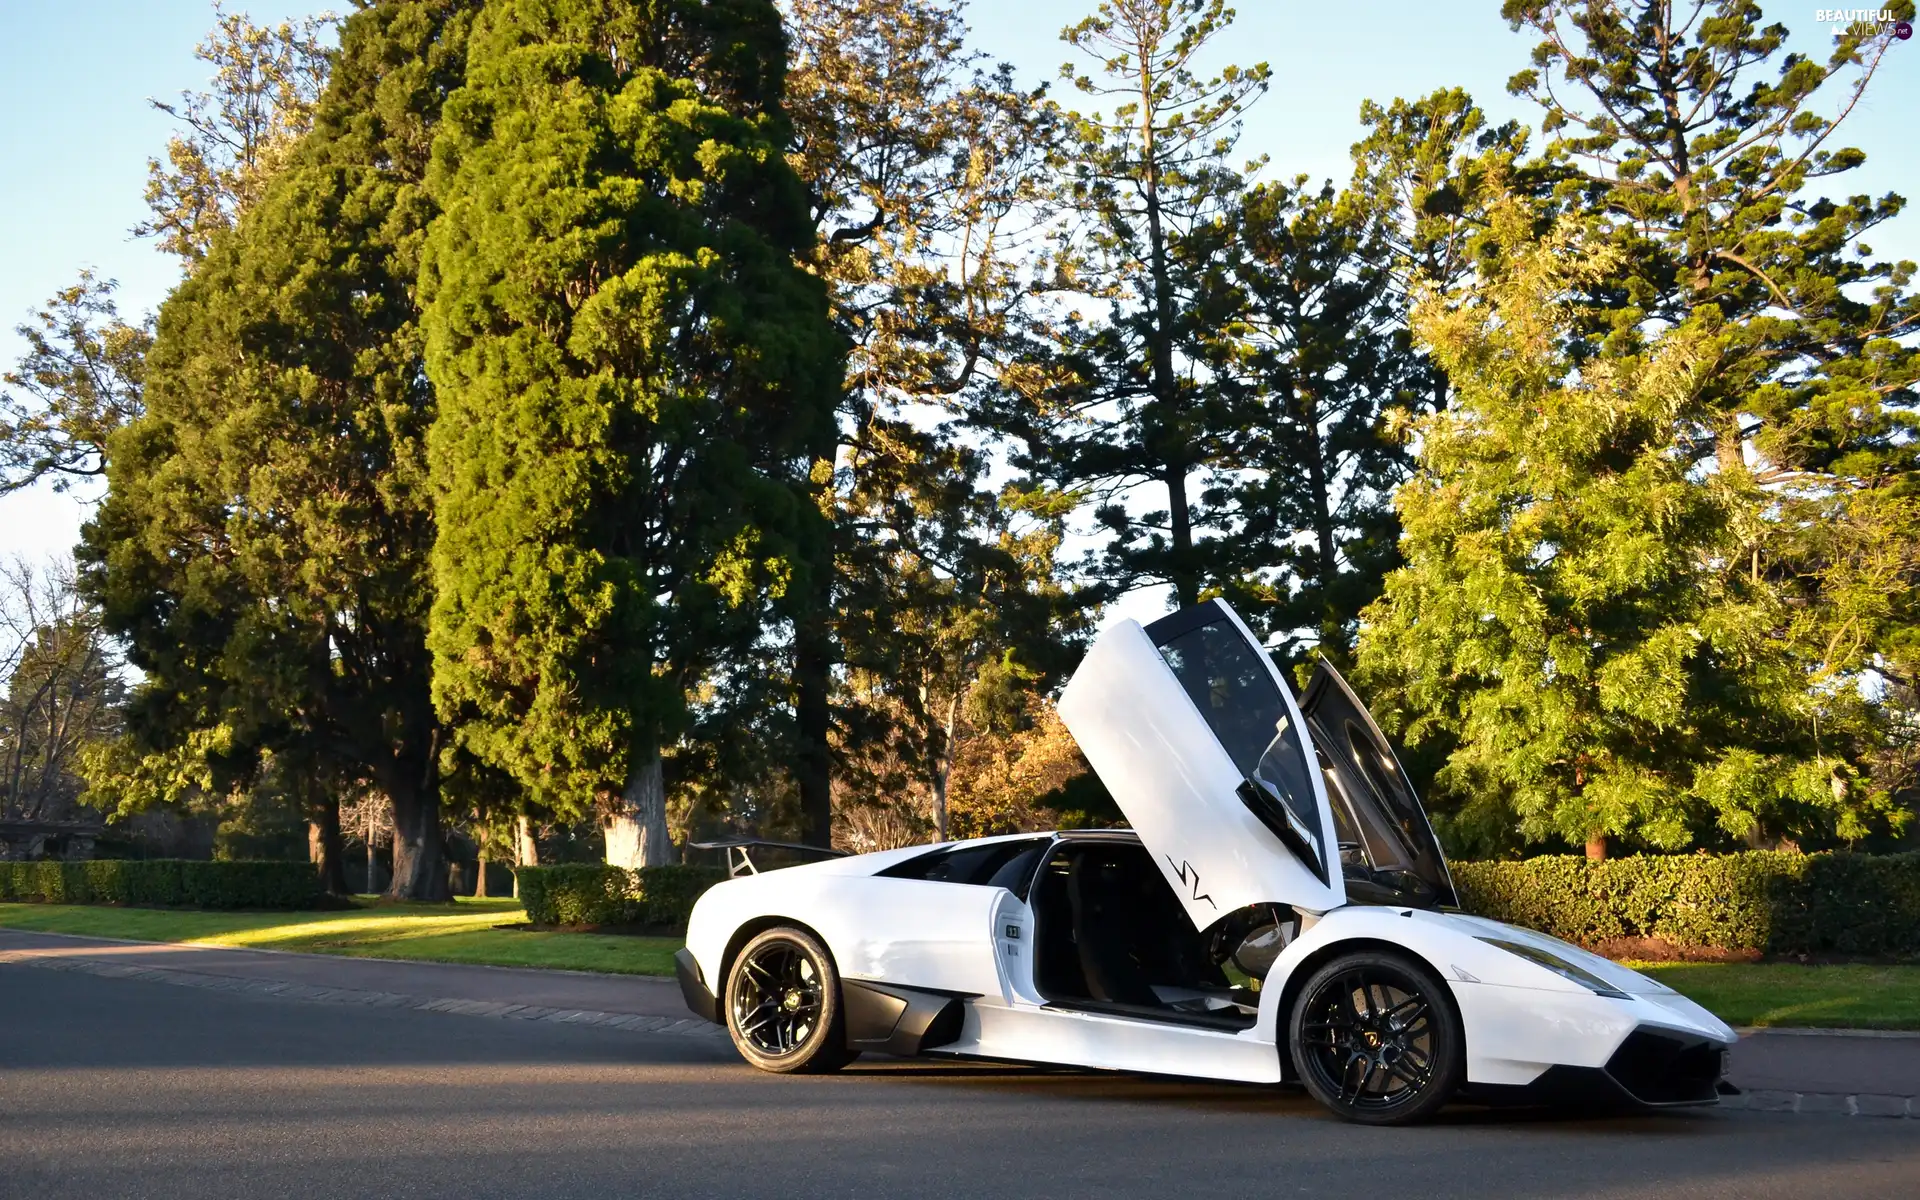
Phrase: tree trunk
pixel 419 848
pixel 326 849
pixel 1186 581
pixel 1323 531
pixel 480 877
pixel 943 768
pixel 1597 847
pixel 637 834
pixel 526 851
pixel 813 761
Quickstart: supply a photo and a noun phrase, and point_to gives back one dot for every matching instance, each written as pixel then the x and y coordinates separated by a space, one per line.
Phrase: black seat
pixel 1103 916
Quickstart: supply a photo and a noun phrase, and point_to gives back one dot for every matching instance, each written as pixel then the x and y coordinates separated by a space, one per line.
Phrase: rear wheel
pixel 1376 1039
pixel 783 1004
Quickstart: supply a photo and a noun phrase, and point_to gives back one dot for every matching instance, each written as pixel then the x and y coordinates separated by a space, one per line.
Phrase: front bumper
pixel 693 986
pixel 1653 1067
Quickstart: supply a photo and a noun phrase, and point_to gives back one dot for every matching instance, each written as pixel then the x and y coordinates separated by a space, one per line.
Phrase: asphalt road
pixel 120 1087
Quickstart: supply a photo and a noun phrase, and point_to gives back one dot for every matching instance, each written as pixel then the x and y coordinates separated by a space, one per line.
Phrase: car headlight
pixel 1559 966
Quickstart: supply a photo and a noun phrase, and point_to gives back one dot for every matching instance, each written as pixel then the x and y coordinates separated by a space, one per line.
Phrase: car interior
pixel 1111 936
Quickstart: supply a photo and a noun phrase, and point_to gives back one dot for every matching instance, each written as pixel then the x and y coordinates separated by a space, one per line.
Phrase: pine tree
pixel 1428 168
pixel 926 172
pixel 1145 177
pixel 263 545
pixel 1711 158
pixel 631 369
pixel 1576 613
pixel 1313 357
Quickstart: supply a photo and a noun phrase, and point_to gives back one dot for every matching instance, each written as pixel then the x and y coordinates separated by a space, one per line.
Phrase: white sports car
pixel 1279 911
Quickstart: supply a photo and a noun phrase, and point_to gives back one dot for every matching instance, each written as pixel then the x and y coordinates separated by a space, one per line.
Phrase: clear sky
pixel 75 76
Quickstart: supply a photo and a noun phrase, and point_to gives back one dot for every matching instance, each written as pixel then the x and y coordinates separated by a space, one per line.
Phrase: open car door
pixel 1387 849
pixel 1193 730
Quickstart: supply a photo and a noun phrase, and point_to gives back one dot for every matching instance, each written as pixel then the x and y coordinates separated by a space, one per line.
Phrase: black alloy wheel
pixel 783 1004
pixel 1376 1038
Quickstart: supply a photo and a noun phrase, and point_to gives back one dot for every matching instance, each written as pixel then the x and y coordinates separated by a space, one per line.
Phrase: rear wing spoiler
pixel 739 852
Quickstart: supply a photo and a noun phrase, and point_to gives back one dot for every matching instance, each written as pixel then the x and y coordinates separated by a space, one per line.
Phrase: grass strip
pixel 462 932
pixel 1789 995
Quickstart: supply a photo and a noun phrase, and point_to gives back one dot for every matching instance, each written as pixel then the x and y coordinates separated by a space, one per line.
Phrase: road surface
pixel 124 1087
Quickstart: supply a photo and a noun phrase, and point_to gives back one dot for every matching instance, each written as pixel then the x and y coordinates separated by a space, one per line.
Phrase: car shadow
pixel 1212 1095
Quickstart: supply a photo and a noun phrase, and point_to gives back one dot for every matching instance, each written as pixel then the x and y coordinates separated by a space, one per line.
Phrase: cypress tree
pixel 263 546
pixel 631 371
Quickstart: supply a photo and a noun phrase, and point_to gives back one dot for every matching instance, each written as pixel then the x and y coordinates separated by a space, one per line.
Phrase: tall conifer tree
pixel 1712 157
pixel 1134 427
pixel 1575 614
pixel 632 368
pixel 926 171
pixel 263 546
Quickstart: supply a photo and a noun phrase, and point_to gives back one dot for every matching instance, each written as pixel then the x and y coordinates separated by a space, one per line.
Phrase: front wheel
pixel 1376 1038
pixel 783 1005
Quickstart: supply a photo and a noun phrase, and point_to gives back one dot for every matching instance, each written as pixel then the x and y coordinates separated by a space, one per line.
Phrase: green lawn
pixel 1837 996
pixel 1785 994
pixel 463 932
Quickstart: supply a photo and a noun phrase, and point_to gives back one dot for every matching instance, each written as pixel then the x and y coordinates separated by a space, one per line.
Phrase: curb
pixel 1796 1031
pixel 310 993
pixel 1827 1103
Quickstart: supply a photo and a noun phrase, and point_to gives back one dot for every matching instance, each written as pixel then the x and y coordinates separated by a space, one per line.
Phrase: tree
pixel 1575 612
pixel 60 691
pixel 1145 178
pixel 632 369
pixel 80 379
pixel 1706 175
pixel 266 85
pixel 1310 363
pixel 263 545
pixel 1428 168
pixel 928 176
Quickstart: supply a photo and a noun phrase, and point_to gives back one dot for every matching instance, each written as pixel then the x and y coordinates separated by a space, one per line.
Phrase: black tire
pixel 782 1005
pixel 1377 1039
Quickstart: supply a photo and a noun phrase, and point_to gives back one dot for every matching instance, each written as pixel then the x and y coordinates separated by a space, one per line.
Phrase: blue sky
pixel 75 76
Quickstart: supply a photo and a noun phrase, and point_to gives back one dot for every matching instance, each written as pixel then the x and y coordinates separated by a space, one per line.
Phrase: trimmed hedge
pixel 165 883
pixel 1766 901
pixel 580 894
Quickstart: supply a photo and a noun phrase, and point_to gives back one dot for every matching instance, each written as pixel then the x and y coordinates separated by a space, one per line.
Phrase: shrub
pixel 165 883
pixel 669 892
pixel 1765 901
pixel 577 894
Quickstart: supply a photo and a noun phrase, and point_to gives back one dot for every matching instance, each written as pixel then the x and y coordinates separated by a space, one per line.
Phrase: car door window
pixel 1228 680
pixel 1009 864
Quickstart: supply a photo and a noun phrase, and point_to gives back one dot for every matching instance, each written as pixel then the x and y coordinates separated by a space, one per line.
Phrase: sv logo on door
pixel 1190 878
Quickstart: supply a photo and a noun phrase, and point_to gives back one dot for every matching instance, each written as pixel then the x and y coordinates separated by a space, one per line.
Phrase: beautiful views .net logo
pixel 1844 18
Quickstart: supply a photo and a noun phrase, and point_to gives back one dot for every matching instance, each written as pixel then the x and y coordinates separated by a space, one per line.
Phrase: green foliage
pixel 1576 616
pixel 1707 157
pixel 80 379
pixel 926 171
pixel 1767 901
pixel 578 894
pixel 266 82
pixel 1311 357
pixel 263 545
pixel 1147 179
pixel 165 883
pixel 630 366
